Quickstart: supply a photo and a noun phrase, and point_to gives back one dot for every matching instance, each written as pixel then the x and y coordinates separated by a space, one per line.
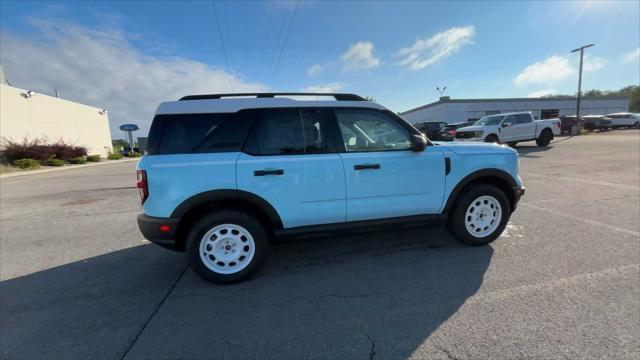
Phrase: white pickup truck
pixel 510 128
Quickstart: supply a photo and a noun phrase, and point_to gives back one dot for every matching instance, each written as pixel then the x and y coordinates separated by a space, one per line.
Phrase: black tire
pixel 456 222
pixel 236 218
pixel 492 139
pixel 512 143
pixel 545 138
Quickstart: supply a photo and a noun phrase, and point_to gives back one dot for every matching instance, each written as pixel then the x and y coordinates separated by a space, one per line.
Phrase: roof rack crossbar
pixel 338 97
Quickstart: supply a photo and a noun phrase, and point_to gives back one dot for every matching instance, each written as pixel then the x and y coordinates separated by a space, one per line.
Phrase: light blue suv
pixel 224 174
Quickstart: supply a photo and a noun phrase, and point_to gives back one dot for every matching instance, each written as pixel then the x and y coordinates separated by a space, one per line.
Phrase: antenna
pixel 441 91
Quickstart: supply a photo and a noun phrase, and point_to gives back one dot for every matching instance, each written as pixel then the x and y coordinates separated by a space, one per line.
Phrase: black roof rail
pixel 338 97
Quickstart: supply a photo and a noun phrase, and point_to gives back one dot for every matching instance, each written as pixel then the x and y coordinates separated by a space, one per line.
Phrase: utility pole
pixel 581 49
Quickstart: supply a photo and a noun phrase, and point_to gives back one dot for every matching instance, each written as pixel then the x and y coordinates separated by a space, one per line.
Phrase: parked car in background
pixel 128 150
pixel 566 122
pixel 624 120
pixel 597 122
pixel 224 175
pixel 431 129
pixel 510 128
pixel 448 132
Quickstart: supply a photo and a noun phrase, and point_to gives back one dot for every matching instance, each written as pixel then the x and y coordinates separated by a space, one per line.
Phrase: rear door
pixel 290 160
pixel 384 177
pixel 526 128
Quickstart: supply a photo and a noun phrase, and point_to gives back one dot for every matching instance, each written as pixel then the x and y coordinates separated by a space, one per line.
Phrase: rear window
pixel 289 132
pixel 199 133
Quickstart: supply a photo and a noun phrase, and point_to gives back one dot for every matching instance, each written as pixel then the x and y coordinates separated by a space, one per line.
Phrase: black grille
pixel 464 134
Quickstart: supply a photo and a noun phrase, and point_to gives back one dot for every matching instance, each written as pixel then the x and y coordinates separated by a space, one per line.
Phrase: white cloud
pixel 631 56
pixel 541 93
pixel 551 69
pixel 593 64
pixel 359 56
pixel 103 69
pixel 428 51
pixel 315 69
pixel 326 88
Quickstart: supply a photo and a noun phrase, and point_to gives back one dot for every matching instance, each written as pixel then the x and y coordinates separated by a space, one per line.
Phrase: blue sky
pixel 128 56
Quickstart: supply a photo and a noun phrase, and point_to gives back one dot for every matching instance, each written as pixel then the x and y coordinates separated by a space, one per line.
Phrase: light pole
pixel 574 128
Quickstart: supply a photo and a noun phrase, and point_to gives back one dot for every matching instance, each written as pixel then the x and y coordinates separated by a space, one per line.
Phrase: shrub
pixel 55 162
pixel 78 160
pixel 38 149
pixel 66 152
pixel 26 163
pixel 35 149
pixel 115 156
pixel 134 154
pixel 94 158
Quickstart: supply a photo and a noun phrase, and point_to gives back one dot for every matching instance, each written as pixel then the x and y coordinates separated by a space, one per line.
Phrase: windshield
pixel 490 120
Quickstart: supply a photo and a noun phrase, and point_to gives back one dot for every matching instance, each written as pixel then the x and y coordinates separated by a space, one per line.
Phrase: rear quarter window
pixel 199 133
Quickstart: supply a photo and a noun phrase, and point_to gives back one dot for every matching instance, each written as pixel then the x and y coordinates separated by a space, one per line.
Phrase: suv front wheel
pixel 480 215
pixel 226 246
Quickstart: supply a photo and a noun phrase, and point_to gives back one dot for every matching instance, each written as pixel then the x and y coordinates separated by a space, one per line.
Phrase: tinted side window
pixel 289 132
pixel 365 130
pixel 523 118
pixel 203 133
pixel 511 119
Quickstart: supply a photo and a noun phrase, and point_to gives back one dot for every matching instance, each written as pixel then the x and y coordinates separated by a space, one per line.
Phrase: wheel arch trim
pixel 225 195
pixel 476 175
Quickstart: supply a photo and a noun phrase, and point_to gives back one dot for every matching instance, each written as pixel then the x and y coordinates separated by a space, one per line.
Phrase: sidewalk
pixel 62 168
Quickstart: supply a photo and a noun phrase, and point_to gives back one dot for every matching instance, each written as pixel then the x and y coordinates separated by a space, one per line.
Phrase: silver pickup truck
pixel 510 128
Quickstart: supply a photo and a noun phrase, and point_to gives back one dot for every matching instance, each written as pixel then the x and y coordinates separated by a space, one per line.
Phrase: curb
pixel 70 167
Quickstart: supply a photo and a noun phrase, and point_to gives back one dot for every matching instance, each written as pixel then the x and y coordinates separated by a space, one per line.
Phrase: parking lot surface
pixel 563 281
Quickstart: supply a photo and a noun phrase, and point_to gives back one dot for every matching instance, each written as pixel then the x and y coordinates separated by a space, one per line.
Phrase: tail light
pixel 452 132
pixel 142 185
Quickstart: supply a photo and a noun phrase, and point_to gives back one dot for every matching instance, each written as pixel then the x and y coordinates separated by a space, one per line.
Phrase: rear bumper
pixel 518 193
pixel 150 229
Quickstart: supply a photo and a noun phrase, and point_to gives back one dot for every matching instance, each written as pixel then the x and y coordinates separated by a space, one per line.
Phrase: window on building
pixel 549 113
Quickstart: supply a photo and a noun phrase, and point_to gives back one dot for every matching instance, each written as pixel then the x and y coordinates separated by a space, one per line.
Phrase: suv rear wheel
pixel 226 246
pixel 480 215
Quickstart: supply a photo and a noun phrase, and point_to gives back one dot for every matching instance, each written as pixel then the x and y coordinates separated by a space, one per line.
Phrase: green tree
pixel 631 91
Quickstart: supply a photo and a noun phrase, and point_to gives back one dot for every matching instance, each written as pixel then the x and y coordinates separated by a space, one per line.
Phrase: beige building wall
pixel 52 118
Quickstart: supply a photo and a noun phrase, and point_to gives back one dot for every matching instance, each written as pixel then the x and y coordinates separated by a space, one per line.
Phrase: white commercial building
pixel 26 114
pixel 460 110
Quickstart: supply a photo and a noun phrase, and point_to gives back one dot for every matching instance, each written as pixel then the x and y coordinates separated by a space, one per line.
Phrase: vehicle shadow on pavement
pixel 380 294
pixel 529 151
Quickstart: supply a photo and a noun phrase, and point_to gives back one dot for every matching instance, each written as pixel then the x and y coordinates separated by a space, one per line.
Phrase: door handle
pixel 268 172
pixel 366 166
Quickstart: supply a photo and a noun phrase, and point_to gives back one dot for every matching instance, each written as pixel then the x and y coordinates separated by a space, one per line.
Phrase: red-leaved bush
pixel 38 149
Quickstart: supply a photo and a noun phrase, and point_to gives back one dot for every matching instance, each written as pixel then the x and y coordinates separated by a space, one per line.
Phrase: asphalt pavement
pixel 77 279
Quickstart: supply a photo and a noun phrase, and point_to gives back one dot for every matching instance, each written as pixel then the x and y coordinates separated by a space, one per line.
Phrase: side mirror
pixel 418 143
pixel 506 124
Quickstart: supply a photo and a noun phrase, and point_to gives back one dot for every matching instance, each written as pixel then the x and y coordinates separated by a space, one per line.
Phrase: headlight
pixel 478 133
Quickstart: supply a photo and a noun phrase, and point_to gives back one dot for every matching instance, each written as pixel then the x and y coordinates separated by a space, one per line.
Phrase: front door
pixel 384 177
pixel 290 161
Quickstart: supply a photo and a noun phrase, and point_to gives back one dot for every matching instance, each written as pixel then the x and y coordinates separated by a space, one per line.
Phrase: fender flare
pixel 483 173
pixel 225 195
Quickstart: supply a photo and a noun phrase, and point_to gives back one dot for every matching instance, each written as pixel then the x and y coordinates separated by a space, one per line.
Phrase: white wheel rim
pixel 483 216
pixel 227 249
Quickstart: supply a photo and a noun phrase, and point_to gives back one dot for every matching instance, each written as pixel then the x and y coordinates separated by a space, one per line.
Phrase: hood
pixel 477 148
pixel 471 128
